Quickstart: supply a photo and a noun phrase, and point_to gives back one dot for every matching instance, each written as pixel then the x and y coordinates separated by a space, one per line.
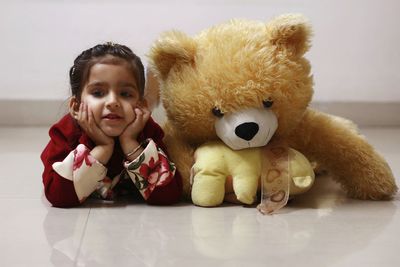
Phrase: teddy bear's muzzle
pixel 247 128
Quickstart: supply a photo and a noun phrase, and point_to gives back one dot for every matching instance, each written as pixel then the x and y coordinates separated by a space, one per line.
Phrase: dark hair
pixel 79 72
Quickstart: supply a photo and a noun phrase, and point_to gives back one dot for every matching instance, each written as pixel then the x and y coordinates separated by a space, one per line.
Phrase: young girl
pixel 108 144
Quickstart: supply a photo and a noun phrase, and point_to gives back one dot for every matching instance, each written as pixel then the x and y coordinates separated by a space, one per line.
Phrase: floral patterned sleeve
pixel 151 169
pixel 83 170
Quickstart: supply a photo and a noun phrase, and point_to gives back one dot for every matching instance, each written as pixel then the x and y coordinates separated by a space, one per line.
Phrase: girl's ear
pixel 74 107
pixel 144 104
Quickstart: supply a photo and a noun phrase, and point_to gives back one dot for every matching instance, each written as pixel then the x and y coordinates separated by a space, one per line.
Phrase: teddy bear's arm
pixel 363 173
pixel 245 168
pixel 301 173
pixel 181 154
pixel 209 175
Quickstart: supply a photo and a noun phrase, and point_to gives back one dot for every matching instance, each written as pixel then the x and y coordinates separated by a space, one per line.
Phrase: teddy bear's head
pixel 242 81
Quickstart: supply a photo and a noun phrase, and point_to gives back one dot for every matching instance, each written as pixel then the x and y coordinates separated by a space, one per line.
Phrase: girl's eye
pixel 267 103
pixel 97 93
pixel 126 94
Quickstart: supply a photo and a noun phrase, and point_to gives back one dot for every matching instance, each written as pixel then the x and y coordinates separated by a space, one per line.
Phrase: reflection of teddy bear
pixel 250 68
pixel 215 162
pixel 223 235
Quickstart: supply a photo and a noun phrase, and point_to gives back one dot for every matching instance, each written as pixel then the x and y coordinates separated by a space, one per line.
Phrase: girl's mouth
pixel 112 117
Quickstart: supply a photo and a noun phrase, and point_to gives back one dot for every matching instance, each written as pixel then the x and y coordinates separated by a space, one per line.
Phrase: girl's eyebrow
pixel 97 83
pixel 127 84
pixel 121 84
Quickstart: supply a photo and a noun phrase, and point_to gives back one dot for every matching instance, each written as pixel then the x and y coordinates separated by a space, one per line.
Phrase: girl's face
pixel 111 93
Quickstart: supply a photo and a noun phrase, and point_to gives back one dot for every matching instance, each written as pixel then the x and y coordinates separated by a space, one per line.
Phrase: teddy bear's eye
pixel 217 112
pixel 268 103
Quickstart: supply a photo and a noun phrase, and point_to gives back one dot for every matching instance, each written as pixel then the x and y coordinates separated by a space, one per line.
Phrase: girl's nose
pixel 112 101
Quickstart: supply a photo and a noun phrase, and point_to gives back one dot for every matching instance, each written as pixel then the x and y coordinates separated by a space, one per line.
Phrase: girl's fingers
pixel 145 116
pixel 139 115
pixel 82 112
pixel 79 115
pixel 83 118
pixel 85 112
pixel 138 112
pixel 90 117
pixel 91 122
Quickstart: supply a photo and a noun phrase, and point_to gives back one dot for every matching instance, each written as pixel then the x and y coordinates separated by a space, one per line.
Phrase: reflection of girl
pixel 108 142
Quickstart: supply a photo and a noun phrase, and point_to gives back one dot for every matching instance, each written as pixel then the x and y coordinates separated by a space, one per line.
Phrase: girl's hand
pixel 128 138
pixel 86 121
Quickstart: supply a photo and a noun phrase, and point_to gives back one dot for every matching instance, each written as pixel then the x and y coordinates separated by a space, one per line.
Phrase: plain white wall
pixel 355 53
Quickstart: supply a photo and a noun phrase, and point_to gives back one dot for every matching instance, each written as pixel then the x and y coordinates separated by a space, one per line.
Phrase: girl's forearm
pixel 102 153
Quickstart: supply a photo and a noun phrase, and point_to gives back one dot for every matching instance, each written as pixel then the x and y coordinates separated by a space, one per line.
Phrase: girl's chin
pixel 112 132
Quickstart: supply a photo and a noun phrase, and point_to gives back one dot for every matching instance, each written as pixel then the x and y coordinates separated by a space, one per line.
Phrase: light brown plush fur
pixel 239 64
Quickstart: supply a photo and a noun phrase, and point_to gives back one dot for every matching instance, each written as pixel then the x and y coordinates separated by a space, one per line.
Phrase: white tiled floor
pixel 321 228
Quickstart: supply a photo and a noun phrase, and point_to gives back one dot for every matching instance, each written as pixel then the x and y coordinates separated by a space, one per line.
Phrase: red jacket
pixel 66 135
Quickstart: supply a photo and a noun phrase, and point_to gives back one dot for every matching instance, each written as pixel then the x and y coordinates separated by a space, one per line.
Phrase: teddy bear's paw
pixel 245 198
pixel 383 191
pixel 370 178
pixel 303 181
pixel 205 199
pixel 301 184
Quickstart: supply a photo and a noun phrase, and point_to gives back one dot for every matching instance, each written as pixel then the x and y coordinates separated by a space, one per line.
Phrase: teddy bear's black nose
pixel 247 130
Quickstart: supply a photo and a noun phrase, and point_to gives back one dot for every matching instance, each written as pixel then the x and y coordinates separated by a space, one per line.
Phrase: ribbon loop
pixel 275 180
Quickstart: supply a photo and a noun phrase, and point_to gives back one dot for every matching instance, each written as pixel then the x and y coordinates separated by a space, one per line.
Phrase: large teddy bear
pixel 257 70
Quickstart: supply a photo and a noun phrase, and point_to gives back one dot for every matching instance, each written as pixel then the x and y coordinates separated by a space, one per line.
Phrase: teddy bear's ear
pixel 290 33
pixel 171 48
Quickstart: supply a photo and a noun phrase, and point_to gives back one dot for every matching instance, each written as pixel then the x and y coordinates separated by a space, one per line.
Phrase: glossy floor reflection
pixel 320 228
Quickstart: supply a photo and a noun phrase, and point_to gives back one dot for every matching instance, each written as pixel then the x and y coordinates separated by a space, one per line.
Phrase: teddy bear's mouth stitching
pixel 266 138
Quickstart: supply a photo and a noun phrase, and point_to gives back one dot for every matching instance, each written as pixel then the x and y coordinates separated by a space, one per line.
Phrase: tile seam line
pixel 81 240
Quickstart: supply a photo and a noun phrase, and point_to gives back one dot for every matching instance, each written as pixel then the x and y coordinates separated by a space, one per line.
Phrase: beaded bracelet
pixel 134 150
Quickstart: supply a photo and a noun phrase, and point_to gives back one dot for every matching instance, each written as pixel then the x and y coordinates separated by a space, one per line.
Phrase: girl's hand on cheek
pixel 86 120
pixel 133 129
